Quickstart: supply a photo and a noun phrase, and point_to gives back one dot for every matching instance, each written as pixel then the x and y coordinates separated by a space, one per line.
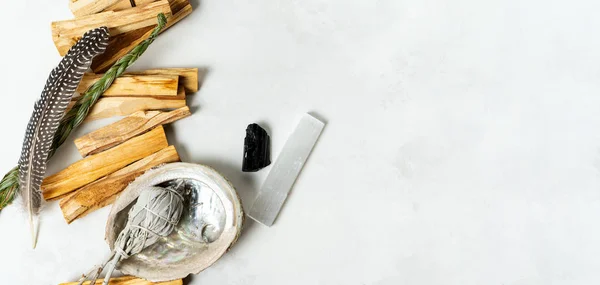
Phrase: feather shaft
pixel 48 111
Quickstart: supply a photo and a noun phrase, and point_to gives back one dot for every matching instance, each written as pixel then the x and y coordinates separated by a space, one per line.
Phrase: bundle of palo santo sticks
pixel 116 154
pixel 129 22
pixel 154 89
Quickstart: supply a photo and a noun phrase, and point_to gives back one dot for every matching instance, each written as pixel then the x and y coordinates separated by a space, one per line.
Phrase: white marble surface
pixel 462 145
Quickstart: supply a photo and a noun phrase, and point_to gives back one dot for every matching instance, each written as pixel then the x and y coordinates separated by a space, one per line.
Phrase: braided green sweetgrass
pixel 9 185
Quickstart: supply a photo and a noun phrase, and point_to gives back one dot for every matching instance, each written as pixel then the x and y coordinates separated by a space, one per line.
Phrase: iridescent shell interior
pixel 210 223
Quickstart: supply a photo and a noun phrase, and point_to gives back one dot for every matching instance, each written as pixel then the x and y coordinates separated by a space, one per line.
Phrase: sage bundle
pixel 154 215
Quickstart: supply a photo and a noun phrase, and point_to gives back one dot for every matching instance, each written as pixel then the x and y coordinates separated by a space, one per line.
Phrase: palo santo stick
pixel 120 45
pixel 180 96
pixel 129 280
pixel 179 5
pixel 66 33
pixel 180 9
pixel 123 106
pixel 126 4
pixel 88 7
pixel 188 77
pixel 141 85
pixel 105 191
pixel 70 106
pixel 99 165
pixel 128 127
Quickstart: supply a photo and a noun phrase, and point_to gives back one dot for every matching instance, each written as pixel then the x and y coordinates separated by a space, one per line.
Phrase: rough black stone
pixel 257 149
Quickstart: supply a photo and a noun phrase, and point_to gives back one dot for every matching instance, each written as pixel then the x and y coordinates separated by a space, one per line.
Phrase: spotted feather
pixel 47 113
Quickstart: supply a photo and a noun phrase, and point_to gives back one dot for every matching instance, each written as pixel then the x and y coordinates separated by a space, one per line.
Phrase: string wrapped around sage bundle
pixel 154 215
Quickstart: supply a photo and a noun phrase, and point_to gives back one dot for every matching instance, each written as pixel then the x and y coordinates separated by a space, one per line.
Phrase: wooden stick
pixel 128 127
pixel 141 85
pixel 180 96
pixel 106 190
pixel 180 9
pixel 88 7
pixel 96 166
pixel 121 44
pixel 123 106
pixel 179 5
pixel 118 47
pixel 70 106
pixel 128 280
pixel 121 5
pixel 188 77
pixel 126 4
pixel 66 33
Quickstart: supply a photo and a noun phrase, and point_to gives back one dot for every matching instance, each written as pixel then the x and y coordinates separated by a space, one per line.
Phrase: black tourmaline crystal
pixel 257 149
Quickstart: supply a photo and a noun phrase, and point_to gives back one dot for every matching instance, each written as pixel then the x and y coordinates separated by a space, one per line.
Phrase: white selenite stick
pixel 285 170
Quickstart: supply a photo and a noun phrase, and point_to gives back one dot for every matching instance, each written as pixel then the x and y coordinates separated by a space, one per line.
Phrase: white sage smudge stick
pixel 154 215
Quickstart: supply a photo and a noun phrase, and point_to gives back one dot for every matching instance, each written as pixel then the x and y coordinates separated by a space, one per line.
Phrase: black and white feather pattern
pixel 48 112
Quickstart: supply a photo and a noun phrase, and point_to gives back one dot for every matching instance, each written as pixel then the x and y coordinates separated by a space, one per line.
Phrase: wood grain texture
pixel 128 127
pixel 188 77
pixel 121 44
pixel 121 5
pixel 71 104
pixel 179 5
pixel 180 9
pixel 123 106
pixel 66 33
pixel 126 4
pixel 105 191
pixel 180 96
pixel 87 7
pixel 99 165
pixel 141 85
pixel 118 47
pixel 129 280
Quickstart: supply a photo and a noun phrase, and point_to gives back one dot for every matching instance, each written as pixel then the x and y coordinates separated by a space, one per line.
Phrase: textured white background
pixel 462 145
